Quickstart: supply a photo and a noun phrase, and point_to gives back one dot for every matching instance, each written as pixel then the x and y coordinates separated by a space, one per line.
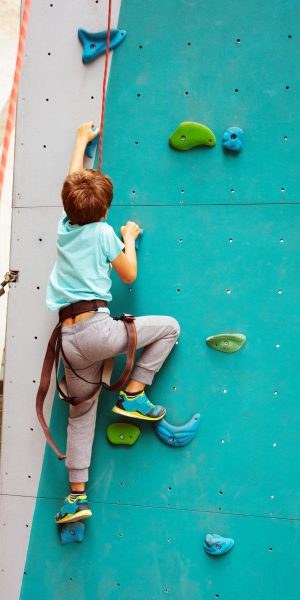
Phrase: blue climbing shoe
pixel 73 510
pixel 138 407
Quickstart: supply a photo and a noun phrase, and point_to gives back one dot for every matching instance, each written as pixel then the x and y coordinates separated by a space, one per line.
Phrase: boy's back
pixel 83 266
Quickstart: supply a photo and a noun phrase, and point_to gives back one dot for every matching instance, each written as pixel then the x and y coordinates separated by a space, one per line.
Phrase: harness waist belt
pixel 52 356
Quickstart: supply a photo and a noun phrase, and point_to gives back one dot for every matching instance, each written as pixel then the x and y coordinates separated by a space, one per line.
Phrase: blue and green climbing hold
pixel 189 135
pixel 233 139
pixel 94 44
pixel 226 342
pixel 216 545
pixel 72 532
pixel 122 434
pixel 174 435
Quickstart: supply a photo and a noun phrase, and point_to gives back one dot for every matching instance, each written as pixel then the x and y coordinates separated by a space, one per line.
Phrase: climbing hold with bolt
pixel 189 135
pixel 216 545
pixel 226 342
pixel 72 532
pixel 233 139
pixel 174 435
pixel 94 44
pixel 122 434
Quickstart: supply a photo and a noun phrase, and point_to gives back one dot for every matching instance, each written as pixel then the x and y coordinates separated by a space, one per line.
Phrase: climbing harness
pixel 104 86
pixel 9 277
pixel 52 357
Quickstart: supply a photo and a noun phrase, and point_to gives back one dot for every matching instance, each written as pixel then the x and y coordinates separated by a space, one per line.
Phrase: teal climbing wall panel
pixel 195 61
pixel 220 253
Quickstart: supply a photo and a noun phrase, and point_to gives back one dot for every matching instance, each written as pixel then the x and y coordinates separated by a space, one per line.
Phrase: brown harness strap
pixel 54 349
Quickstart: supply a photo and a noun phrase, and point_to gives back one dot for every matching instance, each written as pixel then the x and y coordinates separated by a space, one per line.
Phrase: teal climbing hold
pixel 174 435
pixel 94 44
pixel 216 545
pixel 72 532
pixel 189 135
pixel 122 434
pixel 226 342
pixel 139 239
pixel 233 139
pixel 90 147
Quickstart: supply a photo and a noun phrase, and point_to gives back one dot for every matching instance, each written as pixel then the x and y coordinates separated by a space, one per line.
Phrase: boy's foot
pixel 73 509
pixel 138 407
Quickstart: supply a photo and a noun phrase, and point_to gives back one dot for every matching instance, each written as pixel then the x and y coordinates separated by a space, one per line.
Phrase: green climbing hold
pixel 226 342
pixel 122 433
pixel 189 135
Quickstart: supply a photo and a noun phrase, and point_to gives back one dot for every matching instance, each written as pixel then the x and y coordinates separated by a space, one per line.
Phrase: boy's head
pixel 87 196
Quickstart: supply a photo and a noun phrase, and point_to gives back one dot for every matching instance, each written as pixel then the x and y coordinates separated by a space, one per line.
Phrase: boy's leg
pixel 80 436
pixel 157 334
pixel 85 351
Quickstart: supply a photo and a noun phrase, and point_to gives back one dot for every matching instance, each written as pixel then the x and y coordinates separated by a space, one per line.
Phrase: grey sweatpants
pixel 86 344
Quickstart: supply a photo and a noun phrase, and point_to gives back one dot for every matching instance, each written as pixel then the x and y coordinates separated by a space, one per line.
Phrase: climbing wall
pixel 220 253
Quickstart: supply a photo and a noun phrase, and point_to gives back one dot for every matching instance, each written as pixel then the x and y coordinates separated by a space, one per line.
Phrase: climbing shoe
pixel 138 407
pixel 73 509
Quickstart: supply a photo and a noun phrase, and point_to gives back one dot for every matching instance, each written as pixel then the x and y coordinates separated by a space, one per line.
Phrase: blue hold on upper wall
pixel 94 44
pixel 233 139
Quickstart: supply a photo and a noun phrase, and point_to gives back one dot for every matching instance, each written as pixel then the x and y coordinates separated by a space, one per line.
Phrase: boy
pixel 86 248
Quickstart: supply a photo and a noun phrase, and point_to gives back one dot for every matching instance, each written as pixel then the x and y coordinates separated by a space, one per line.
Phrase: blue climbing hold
pixel 174 435
pixel 94 44
pixel 216 545
pixel 90 147
pixel 233 139
pixel 139 239
pixel 72 532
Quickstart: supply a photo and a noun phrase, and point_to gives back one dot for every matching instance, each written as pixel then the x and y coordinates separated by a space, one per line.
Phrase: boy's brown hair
pixel 86 196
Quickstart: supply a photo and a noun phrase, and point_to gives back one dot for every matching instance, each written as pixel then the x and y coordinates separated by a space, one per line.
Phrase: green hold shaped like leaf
pixel 226 342
pixel 189 135
pixel 122 434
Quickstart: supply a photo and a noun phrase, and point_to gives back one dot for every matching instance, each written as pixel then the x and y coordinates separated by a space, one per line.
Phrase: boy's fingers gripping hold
pixel 87 131
pixel 130 230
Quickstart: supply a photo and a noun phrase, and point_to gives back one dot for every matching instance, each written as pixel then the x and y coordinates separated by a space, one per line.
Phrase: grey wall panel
pixel 15 526
pixel 57 92
pixel 29 327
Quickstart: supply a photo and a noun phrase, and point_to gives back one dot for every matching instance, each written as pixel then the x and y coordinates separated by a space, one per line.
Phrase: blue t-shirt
pixel 82 269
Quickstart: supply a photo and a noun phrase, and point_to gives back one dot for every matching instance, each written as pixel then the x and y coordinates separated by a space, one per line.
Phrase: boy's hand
pixel 130 231
pixel 86 133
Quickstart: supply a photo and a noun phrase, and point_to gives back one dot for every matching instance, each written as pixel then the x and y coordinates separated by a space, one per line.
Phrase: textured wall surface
pixel 220 253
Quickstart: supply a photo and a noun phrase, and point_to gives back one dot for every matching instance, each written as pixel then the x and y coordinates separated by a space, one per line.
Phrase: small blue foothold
pixel 90 147
pixel 139 239
pixel 72 532
pixel 174 435
pixel 216 545
pixel 94 44
pixel 233 139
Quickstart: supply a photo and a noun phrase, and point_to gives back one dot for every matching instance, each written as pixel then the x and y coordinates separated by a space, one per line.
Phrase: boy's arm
pixel 85 134
pixel 126 263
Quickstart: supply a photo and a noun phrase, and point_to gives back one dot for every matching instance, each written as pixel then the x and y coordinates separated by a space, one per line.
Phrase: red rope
pixel 9 125
pixel 104 86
